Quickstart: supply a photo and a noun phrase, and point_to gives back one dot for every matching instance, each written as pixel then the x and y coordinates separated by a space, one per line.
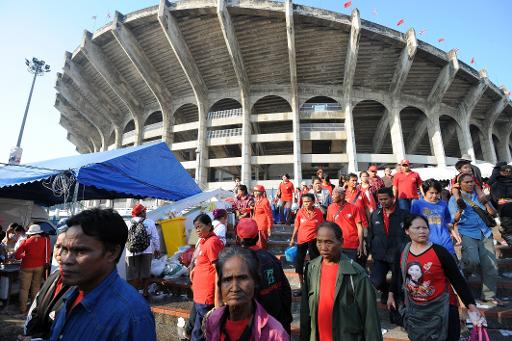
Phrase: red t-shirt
pixel 360 201
pixel 346 220
pixel 425 277
pixel 234 329
pixel 307 223
pixel 328 276
pixel 286 189
pixel 34 252
pixel 203 278
pixel 407 185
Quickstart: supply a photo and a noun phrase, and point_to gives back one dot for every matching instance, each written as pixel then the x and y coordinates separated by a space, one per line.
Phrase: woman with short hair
pixel 262 214
pixel 241 317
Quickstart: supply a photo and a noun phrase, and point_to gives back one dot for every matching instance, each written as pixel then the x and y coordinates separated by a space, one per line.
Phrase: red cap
pixel 247 228
pixel 373 168
pixel 405 162
pixel 259 188
pixel 137 210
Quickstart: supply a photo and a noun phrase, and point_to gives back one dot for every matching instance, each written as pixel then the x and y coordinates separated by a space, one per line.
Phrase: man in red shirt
pixel 285 194
pixel 405 186
pixel 338 300
pixel 376 182
pixel 356 197
pixel 348 218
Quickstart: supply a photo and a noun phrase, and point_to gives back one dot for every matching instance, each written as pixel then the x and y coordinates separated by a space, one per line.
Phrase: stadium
pixel 256 89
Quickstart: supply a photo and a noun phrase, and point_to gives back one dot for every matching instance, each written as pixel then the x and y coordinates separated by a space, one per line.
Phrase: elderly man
pixel 478 253
pixel 348 218
pixel 138 257
pixel 102 306
pixel 338 300
pixel 376 182
pixel 322 196
pixel 406 185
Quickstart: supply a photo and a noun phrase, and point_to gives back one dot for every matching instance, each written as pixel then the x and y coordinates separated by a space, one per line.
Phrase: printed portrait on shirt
pixel 419 289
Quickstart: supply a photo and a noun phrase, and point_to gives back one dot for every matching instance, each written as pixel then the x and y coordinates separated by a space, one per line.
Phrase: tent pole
pixel 75 197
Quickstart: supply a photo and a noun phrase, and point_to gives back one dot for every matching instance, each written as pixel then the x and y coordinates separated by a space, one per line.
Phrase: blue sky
pixel 45 29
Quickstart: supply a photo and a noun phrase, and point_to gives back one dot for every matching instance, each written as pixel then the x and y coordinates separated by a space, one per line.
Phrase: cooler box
pixel 174 234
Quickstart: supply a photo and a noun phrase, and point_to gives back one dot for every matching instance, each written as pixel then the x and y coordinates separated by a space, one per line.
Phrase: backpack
pixel 138 237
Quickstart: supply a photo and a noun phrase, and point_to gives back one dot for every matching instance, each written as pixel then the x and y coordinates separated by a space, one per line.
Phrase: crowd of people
pixel 349 238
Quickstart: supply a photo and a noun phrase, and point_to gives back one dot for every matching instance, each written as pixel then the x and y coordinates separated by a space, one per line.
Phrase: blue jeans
pixel 405 204
pixel 201 310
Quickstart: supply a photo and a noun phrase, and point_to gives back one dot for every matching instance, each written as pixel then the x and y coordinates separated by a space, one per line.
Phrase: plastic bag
pixel 174 270
pixel 186 257
pixel 479 334
pixel 291 254
pixel 158 265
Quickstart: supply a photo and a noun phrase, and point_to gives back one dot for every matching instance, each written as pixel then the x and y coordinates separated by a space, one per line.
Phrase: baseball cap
pixel 373 168
pixel 138 209
pixel 247 228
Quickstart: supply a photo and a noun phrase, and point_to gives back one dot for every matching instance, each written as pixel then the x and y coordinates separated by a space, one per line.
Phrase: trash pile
pixel 175 266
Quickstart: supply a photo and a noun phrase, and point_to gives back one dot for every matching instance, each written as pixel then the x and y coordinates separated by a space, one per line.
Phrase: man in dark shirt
pixel 386 236
pixel 102 306
pixel 501 194
pixel 275 294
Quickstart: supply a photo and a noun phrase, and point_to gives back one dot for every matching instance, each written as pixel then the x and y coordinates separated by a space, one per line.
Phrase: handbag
pixel 483 214
pixel 479 334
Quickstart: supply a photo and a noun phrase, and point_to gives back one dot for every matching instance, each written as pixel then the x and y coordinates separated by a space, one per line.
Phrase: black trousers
pixel 302 249
pixel 379 271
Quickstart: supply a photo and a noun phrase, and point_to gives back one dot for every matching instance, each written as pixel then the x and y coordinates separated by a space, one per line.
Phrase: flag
pixel 422 32
pixel 374 12
pixel 440 40
pixel 400 22
pixel 347 4
pixel 472 61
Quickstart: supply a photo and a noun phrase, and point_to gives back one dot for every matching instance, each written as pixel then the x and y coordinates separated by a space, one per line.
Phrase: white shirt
pixel 153 236
pixel 220 230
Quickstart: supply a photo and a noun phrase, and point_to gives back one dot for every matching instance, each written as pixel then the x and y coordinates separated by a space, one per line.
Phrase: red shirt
pixel 306 223
pixel 425 277
pixel 357 198
pixel 327 187
pixel 346 220
pixel 263 214
pixel 286 189
pixel 203 277
pixel 407 184
pixel 385 217
pixel 34 252
pixel 234 329
pixel 328 276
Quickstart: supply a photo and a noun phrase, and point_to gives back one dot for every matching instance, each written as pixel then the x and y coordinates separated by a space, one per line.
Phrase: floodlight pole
pixel 38 68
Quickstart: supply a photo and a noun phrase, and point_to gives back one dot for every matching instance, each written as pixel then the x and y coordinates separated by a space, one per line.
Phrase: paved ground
pixel 11 322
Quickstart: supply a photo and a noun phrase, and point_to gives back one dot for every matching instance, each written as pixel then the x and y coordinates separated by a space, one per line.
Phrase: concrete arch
pixel 415 131
pixel 225 104
pixel 271 104
pixel 186 113
pixel 155 117
pixel 371 128
pixel 320 100
pixel 452 136
pixel 372 97
pixel 130 126
pixel 257 96
pixel 112 138
pixel 476 137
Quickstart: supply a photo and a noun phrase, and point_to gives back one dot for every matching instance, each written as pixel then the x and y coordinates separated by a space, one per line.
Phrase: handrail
pixel 320 107
pixel 225 113
pixel 224 133
pixel 310 127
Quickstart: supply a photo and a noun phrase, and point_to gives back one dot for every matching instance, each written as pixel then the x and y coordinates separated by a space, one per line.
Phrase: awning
pixel 146 171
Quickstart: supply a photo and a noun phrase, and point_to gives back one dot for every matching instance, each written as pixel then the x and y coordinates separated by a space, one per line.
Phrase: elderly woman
pixel 426 272
pixel 203 273
pixel 241 317
pixel 34 253
pixel 262 215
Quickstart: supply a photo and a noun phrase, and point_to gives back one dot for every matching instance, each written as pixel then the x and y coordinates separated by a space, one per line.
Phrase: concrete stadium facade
pixel 258 88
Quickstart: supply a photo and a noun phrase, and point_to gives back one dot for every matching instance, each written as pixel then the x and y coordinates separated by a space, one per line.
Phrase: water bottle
pixel 181 328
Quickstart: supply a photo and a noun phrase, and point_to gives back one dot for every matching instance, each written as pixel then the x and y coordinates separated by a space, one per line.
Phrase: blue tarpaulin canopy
pixel 146 171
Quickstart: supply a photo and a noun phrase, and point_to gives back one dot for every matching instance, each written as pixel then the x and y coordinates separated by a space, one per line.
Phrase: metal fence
pixel 225 113
pixel 224 133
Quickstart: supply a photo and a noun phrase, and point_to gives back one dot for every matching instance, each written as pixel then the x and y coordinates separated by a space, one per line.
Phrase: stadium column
pixel 178 44
pixel 395 127
pixel 228 31
pixel 503 148
pixel 436 139
pixel 466 108
pixel 490 154
pixel 97 58
pixel 290 33
pixel 348 81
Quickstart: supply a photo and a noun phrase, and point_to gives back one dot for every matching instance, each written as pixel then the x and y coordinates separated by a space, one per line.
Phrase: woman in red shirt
pixel 203 274
pixel 34 253
pixel 307 221
pixel 263 215
pixel 426 272
pixel 367 189
pixel 355 196
pixel 285 195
